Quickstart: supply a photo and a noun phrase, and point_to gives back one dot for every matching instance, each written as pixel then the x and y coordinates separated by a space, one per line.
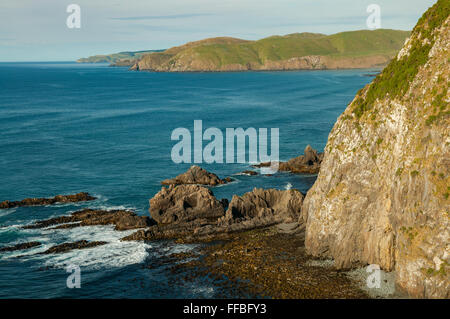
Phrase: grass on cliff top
pixel 224 51
pixel 396 78
pixel 277 48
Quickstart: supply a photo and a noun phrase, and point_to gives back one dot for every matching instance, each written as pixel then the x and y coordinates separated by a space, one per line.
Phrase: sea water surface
pixel 67 128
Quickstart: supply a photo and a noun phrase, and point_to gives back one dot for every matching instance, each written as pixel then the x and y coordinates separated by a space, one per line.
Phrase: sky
pixel 36 30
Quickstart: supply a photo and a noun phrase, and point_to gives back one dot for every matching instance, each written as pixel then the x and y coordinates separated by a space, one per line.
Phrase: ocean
pixel 67 128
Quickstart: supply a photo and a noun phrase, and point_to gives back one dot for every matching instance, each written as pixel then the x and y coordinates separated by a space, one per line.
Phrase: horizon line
pixel 219 36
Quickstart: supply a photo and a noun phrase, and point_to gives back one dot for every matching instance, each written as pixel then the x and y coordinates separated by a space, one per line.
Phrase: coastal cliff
pixel 298 51
pixel 382 193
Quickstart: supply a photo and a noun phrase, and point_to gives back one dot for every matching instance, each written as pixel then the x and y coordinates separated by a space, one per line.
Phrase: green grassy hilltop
pixel 293 51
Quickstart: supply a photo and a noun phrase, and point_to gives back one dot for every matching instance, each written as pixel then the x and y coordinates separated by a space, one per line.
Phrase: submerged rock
pixel 21 246
pixel 309 163
pixel 63 248
pixel 80 197
pixel 122 219
pixel 196 175
pixel 249 173
pixel 185 203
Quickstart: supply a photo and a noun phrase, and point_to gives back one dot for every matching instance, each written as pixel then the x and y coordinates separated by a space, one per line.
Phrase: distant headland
pixel 297 51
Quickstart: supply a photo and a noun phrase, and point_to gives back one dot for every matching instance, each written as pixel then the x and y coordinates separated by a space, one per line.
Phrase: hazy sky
pixel 35 30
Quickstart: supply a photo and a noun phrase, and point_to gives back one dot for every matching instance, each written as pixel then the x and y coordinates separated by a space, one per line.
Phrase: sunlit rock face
pixel 382 193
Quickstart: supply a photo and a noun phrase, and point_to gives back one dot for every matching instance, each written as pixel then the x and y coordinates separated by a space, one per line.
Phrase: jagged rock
pixel 123 220
pixel 80 197
pixel 21 246
pixel 270 205
pixel 196 175
pixel 185 203
pixel 382 194
pixel 257 209
pixel 81 244
pixel 310 155
pixel 309 163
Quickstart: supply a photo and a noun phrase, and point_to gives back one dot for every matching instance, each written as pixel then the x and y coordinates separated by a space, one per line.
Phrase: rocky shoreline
pixel 242 234
pixel 185 211
pixel 264 263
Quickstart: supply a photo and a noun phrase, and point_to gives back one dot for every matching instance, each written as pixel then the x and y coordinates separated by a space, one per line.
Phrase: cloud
pixel 164 17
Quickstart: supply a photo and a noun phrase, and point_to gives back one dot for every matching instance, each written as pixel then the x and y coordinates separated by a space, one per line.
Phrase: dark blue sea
pixel 67 128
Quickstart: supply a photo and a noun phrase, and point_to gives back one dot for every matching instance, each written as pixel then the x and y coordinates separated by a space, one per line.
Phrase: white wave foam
pixel 113 254
pixel 288 186
pixel 100 197
pixel 176 249
pixel 203 291
pixel 114 207
pixel 6 212
pixel 241 174
pixel 30 235
pixel 28 253
pixel 9 227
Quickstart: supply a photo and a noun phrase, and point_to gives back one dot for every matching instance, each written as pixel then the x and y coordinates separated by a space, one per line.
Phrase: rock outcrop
pixel 271 205
pixel 196 175
pixel 309 163
pixel 185 203
pixel 21 246
pixel 121 219
pixel 80 197
pixel 191 212
pixel 382 193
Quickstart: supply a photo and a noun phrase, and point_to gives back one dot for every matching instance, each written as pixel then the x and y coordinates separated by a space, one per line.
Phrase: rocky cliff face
pixel 382 194
pixel 195 63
